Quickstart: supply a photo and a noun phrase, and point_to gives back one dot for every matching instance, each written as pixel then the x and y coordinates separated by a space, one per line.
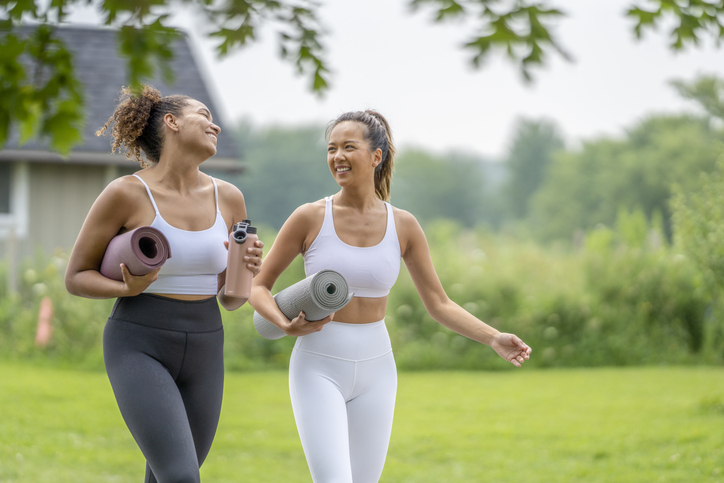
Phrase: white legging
pixel 343 383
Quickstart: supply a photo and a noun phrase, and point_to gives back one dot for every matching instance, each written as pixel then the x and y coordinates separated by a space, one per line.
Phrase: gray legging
pixel 164 359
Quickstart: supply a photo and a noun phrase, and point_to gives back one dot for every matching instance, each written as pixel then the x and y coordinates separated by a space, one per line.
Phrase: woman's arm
pixel 114 210
pixel 292 240
pixel 416 254
pixel 233 207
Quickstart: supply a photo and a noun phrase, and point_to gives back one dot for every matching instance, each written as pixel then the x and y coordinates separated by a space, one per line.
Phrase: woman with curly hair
pixel 163 342
pixel 342 376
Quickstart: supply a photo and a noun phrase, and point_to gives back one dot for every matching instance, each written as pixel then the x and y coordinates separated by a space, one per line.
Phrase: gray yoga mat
pixel 142 250
pixel 317 295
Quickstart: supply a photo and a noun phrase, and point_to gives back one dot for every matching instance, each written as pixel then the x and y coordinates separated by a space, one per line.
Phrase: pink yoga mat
pixel 142 250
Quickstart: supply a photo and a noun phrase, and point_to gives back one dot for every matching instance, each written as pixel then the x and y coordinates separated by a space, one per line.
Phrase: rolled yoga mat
pixel 317 295
pixel 142 250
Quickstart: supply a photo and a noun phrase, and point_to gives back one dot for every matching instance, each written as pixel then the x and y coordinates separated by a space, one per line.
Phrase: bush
pixel 77 323
pixel 609 304
pixel 699 233
pixel 621 299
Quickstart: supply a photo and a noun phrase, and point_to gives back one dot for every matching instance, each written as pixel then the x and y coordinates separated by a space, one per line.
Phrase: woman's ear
pixel 377 157
pixel 170 121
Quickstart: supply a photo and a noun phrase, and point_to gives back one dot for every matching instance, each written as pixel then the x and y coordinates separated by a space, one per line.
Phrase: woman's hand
pixel 511 348
pixel 136 284
pixel 300 326
pixel 253 257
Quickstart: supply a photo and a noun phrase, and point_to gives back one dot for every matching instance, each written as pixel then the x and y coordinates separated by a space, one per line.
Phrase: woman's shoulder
pixel 309 212
pixel 228 190
pixel 124 189
pixel 121 199
pixel 403 218
pixel 306 219
pixel 409 231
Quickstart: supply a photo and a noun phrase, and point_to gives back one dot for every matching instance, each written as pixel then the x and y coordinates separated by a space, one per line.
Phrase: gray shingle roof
pixel 103 72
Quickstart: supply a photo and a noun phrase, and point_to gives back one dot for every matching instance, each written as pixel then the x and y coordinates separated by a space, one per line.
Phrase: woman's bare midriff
pixel 362 310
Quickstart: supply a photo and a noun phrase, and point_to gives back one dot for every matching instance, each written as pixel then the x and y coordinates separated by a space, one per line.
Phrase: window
pixel 5 173
pixel 14 189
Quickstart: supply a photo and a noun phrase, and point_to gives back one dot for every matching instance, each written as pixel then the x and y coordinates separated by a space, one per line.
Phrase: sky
pixel 385 57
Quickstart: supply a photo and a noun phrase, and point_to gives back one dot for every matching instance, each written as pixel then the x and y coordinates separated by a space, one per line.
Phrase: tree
pixel 588 187
pixel 705 90
pixel 52 107
pixel 295 158
pixel 452 187
pixel 530 154
pixel 699 225
pixel 699 232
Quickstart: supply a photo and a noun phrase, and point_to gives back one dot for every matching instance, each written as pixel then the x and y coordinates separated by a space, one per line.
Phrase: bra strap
pixel 328 223
pixel 216 194
pixel 148 190
pixel 391 230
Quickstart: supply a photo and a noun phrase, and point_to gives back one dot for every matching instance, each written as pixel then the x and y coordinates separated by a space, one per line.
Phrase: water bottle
pixel 238 276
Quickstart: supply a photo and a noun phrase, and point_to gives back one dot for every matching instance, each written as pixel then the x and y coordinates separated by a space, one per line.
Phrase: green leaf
pixel 146 49
pixel 320 83
pixel 234 38
pixel 4 126
pixel 23 7
pixel 52 91
pixel 64 127
pixel 29 126
pixel 643 18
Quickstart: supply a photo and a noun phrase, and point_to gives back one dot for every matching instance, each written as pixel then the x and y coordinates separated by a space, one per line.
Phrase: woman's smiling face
pixel 348 154
pixel 198 127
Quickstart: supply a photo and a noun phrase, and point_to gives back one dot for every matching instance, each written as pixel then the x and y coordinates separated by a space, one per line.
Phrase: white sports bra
pixel 198 256
pixel 369 271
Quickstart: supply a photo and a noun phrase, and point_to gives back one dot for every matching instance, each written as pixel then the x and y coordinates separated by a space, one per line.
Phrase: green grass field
pixel 594 425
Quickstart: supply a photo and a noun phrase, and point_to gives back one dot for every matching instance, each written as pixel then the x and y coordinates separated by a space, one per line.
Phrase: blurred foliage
pixel 529 156
pixel 690 20
pixel 295 158
pixel 521 30
pixel 40 93
pixel 705 90
pixel 541 190
pixel 77 323
pixel 699 225
pixel 611 303
pixel 451 186
pixel 587 187
pixel 41 96
pixel 624 298
pixel 290 158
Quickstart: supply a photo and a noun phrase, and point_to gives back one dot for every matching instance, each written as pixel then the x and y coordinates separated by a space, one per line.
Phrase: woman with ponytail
pixel 342 375
pixel 163 342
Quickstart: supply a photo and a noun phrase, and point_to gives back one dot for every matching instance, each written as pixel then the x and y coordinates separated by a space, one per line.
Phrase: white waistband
pixel 350 342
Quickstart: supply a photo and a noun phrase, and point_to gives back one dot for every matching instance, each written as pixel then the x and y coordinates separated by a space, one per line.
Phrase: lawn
pixel 593 425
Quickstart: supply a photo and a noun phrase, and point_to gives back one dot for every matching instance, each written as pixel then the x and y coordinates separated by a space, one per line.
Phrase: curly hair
pixel 138 120
pixel 379 136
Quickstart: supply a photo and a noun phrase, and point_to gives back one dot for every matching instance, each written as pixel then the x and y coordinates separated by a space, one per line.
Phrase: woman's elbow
pixel 257 292
pixel 70 286
pixel 437 307
pixel 71 283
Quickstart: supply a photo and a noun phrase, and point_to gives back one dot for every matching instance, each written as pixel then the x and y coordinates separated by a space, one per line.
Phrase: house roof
pixel 103 72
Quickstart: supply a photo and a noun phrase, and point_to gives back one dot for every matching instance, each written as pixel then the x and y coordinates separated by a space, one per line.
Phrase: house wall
pixel 49 204
pixel 60 197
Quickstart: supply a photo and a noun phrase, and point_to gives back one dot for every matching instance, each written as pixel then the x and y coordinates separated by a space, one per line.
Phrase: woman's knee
pixel 179 475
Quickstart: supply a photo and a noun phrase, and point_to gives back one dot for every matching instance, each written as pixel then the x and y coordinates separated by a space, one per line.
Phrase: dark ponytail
pixel 379 136
pixel 138 120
